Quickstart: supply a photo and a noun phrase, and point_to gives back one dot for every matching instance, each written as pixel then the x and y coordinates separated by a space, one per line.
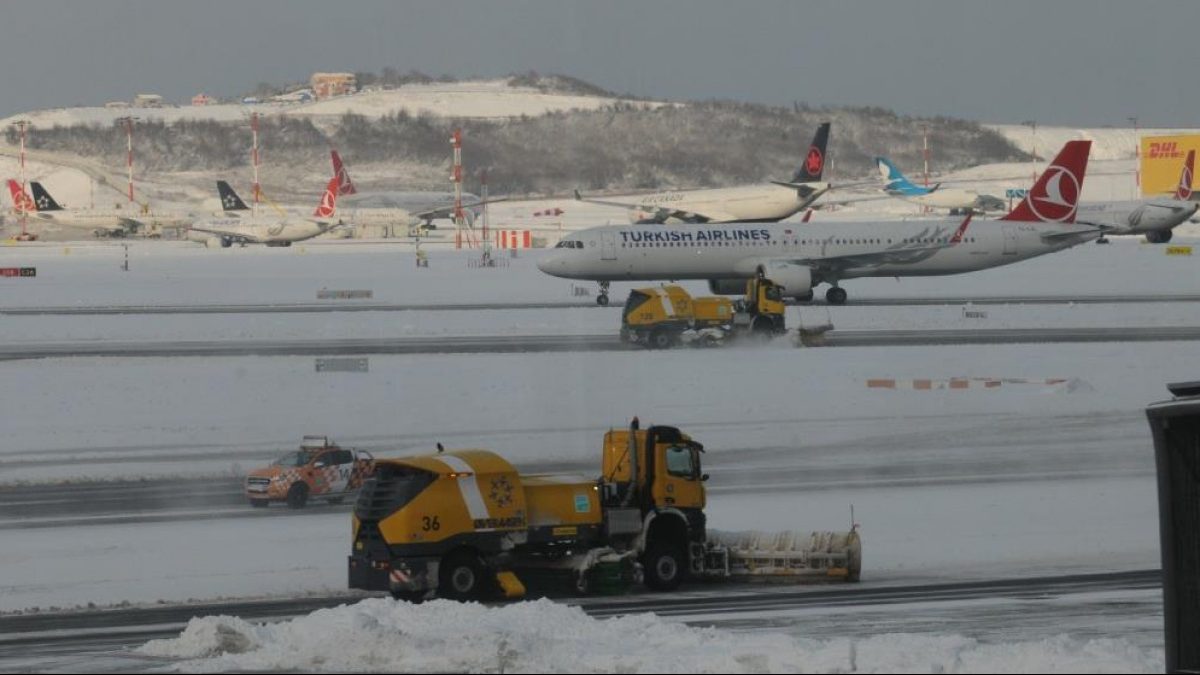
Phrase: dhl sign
pixel 1179 250
pixel 1162 161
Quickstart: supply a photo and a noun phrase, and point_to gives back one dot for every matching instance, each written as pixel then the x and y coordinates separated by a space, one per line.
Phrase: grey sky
pixel 1066 62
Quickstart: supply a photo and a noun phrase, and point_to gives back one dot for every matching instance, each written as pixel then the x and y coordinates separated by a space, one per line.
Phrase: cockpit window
pixel 567 243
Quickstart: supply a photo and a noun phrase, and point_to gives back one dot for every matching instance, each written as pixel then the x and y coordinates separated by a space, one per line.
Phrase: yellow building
pixel 1162 161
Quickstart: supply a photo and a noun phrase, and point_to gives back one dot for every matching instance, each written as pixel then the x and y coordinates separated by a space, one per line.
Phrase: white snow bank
pixel 543 636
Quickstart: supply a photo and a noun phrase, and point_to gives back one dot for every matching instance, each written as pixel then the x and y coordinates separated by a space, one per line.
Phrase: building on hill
pixel 327 85
pixel 148 101
pixel 201 99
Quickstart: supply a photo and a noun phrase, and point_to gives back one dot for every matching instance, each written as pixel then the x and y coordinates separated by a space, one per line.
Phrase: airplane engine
pixel 797 280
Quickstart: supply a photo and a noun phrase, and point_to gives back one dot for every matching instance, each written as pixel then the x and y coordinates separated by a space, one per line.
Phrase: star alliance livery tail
pixel 1055 196
pixel 339 170
pixel 230 201
pixel 814 162
pixel 42 198
pixel 896 184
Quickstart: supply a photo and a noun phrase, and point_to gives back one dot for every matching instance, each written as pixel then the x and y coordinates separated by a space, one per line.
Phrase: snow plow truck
pixel 466 525
pixel 659 317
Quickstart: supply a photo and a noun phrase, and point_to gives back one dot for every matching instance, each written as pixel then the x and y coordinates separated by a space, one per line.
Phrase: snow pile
pixel 543 636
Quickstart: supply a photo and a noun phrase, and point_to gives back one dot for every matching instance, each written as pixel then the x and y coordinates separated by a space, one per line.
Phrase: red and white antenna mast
pixel 129 151
pixel 21 125
pixel 456 177
pixel 254 158
pixel 483 197
pixel 925 156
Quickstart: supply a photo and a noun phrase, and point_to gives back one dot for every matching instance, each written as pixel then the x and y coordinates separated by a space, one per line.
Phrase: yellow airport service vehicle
pixel 663 316
pixel 465 524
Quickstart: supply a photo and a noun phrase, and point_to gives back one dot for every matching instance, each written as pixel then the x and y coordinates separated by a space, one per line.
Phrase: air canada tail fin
pixel 1184 190
pixel 1055 196
pixel 42 198
pixel 328 204
pixel 230 201
pixel 21 201
pixel 814 162
pixel 343 176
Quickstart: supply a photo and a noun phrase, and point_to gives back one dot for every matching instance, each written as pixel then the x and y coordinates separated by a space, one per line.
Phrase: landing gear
pixel 1102 240
pixel 835 296
pixel 1158 236
pixel 602 299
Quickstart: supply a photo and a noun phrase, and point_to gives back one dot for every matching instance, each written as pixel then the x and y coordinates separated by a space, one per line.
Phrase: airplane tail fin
pixel 42 198
pixel 1184 190
pixel 814 162
pixel 895 182
pixel 328 204
pixel 21 201
pixel 1055 196
pixel 230 201
pixel 339 170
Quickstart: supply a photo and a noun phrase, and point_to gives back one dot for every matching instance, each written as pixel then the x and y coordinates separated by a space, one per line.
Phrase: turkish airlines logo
pixel 1164 150
pixel 327 203
pixel 1055 199
pixel 344 184
pixel 814 161
pixel 1185 184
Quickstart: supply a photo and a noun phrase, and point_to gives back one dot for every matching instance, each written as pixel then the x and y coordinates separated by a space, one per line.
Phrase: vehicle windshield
pixel 294 458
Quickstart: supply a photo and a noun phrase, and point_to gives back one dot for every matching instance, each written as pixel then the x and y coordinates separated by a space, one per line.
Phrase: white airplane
pixel 1154 218
pixel 745 204
pixel 799 256
pixel 272 232
pixel 414 211
pixel 44 208
pixel 938 197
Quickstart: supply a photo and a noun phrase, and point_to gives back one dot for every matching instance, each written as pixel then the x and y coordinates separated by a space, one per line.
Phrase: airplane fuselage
pixel 1137 217
pixel 251 230
pixel 746 203
pixel 738 250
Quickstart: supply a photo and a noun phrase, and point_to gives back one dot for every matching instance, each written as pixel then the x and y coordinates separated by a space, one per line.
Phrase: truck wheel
pixel 460 577
pixel 664 566
pixel 660 339
pixel 297 496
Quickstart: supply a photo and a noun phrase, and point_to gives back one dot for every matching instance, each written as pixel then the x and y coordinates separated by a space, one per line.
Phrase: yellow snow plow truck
pixel 663 316
pixel 466 525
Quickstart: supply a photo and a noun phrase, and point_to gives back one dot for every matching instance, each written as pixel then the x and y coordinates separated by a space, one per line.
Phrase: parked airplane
pixel 411 210
pixel 1154 218
pixel 801 256
pixel 44 208
pixel 744 204
pixel 272 232
pixel 957 200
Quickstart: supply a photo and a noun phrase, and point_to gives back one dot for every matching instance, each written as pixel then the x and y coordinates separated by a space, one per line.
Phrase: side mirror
pixel 703 477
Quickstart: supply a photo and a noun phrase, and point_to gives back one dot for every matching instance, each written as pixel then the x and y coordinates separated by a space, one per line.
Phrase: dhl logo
pixel 1164 150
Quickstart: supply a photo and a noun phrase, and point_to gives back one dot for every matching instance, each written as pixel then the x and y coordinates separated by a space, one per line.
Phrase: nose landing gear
pixel 602 298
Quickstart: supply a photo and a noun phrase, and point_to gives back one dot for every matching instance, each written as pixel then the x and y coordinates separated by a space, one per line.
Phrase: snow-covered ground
pixel 470 99
pixel 1021 480
pixel 542 636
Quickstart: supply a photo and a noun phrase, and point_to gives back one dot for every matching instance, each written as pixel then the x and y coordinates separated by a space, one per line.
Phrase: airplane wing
pixel 448 211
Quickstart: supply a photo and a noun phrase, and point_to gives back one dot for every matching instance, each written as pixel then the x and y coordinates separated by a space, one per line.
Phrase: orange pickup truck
pixel 319 468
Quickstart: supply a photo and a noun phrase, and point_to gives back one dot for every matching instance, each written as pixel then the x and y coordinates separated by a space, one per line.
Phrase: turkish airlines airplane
pixel 799 256
pixel 1154 218
pixel 272 232
pixel 745 204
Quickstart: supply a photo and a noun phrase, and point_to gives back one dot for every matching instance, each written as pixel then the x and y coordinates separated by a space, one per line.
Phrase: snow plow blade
pixel 785 557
